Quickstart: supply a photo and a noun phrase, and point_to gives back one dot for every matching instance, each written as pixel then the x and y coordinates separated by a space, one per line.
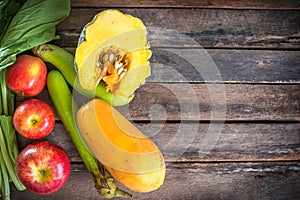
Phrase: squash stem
pixel 63 60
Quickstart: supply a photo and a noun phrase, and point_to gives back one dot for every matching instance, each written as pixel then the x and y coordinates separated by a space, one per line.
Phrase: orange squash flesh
pixel 131 158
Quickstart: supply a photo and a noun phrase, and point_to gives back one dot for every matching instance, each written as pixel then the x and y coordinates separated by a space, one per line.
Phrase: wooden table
pixel 223 100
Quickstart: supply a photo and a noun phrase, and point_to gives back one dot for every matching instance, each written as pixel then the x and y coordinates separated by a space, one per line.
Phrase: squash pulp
pixel 130 157
pixel 113 48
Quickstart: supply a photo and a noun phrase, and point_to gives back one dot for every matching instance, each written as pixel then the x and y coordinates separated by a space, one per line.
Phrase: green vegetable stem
pixel 66 108
pixel 8 143
pixel 64 62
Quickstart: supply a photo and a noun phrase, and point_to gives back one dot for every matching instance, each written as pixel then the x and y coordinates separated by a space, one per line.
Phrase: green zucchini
pixel 66 108
pixel 64 62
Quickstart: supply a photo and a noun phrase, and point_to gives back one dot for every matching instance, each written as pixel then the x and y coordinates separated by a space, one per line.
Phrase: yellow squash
pixel 113 48
pixel 131 158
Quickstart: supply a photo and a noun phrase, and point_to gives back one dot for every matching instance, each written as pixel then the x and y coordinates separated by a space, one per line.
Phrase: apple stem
pixel 43 172
pixel 33 121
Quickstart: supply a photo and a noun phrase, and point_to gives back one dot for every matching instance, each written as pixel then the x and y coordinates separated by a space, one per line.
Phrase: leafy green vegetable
pixel 23 25
pixel 8 9
pixel 5 191
pixel 33 24
pixel 9 158
pixel 8 144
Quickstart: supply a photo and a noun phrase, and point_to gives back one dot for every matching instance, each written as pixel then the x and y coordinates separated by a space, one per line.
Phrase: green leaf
pixel 3 14
pixel 7 10
pixel 1 103
pixel 32 25
pixel 8 55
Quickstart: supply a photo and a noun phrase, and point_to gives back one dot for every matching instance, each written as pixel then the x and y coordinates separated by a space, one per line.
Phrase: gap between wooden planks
pixel 196 181
pixel 175 65
pixel 242 102
pixel 236 142
pixel 210 28
pixel 229 4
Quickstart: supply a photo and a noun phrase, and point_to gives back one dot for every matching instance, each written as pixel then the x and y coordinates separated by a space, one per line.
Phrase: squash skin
pixel 129 156
pixel 113 28
pixel 63 60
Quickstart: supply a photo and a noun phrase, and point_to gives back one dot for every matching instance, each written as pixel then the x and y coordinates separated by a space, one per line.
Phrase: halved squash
pixel 113 48
pixel 128 155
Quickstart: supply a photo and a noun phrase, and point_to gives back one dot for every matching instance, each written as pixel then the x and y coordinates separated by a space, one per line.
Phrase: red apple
pixel 27 76
pixel 34 119
pixel 43 167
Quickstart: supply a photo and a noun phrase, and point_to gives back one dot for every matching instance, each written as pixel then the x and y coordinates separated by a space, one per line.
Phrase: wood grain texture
pixel 191 65
pixel 213 28
pixel 224 66
pixel 223 100
pixel 196 181
pixel 205 102
pixel 231 4
pixel 199 142
pixel 212 101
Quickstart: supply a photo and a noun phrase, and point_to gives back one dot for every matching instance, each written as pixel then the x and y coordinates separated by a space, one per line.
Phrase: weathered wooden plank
pixel 205 27
pixel 256 153
pixel 163 101
pixel 231 4
pixel 191 65
pixel 224 66
pixel 196 181
pixel 214 101
pixel 213 142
